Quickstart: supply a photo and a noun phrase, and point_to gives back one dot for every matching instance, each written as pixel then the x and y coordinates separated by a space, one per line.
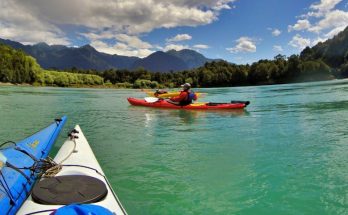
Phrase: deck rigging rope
pixel 56 167
pixel 6 142
pixel 6 188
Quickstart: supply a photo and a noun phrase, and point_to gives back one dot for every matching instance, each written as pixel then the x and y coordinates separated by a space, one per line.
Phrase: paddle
pixel 151 99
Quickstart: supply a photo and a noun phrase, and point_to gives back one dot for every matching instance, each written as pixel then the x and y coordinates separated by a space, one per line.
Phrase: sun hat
pixel 186 85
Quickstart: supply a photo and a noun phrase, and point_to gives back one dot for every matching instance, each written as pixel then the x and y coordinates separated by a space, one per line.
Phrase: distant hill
pixel 191 58
pixel 161 62
pixel 86 57
pixel 17 67
pixel 62 57
pixel 325 61
pixel 334 52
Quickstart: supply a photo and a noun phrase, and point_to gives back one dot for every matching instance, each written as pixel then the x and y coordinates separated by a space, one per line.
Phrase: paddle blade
pixel 201 95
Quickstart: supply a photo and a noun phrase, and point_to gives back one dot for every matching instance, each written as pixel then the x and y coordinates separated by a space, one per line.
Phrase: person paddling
pixel 186 96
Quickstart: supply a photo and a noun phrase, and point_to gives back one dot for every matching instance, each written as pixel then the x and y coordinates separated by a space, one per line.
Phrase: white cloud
pixel 324 5
pixel 299 42
pixel 121 21
pixel 124 44
pixel 244 44
pixel 18 24
pixel 179 47
pixel 276 32
pixel 132 16
pixel 326 21
pixel 201 46
pixel 222 4
pixel 317 40
pixel 301 24
pixel 176 47
pixel 120 49
pixel 133 41
pixel 334 32
pixel 180 37
pixel 42 20
pixel 333 19
pixel 97 35
pixel 319 9
pixel 277 48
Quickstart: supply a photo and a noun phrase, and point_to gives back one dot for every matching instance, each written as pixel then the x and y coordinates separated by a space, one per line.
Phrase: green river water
pixel 287 153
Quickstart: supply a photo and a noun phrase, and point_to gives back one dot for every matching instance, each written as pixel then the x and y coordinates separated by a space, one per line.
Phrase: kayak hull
pixel 199 106
pixel 23 155
pixel 81 162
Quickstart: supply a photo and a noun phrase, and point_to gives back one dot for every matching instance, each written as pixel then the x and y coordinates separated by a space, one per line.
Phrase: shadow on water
pixel 304 107
pixel 326 106
pixel 302 86
pixel 189 116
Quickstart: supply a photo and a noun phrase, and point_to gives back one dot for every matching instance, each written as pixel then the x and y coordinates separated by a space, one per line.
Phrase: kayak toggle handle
pixel 243 102
pixel 73 136
pixel 72 133
pixel 58 120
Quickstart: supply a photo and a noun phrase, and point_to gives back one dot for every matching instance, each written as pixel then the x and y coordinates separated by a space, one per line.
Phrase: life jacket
pixel 189 98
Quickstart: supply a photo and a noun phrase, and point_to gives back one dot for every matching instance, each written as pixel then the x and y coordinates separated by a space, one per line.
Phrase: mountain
pixel 161 62
pixel 191 58
pixel 17 67
pixel 334 52
pixel 86 57
pixel 172 60
pixel 62 57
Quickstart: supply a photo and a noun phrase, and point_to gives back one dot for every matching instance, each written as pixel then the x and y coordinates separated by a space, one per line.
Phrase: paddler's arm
pixel 179 98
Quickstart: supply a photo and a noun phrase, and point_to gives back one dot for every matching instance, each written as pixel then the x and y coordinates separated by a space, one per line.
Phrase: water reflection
pixel 185 116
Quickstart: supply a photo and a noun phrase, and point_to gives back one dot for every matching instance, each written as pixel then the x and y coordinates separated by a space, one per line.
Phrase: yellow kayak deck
pixel 167 95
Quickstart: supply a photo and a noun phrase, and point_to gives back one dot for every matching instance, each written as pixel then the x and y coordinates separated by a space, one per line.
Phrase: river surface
pixel 287 153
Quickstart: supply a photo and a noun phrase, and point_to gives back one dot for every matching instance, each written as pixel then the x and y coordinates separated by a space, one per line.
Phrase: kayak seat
pixel 69 189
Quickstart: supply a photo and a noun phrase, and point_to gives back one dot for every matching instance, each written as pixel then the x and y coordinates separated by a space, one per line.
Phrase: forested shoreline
pixel 17 68
pixel 313 64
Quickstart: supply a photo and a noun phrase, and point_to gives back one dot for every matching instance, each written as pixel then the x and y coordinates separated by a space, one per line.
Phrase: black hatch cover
pixel 68 189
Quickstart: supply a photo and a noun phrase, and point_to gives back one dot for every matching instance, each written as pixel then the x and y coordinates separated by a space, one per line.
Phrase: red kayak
pixel 199 106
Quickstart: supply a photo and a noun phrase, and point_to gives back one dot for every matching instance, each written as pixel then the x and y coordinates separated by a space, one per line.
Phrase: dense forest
pixel 222 74
pixel 17 67
pixel 325 61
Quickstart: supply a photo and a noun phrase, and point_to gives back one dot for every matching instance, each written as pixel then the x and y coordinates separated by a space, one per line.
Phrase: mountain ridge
pixel 334 51
pixel 87 57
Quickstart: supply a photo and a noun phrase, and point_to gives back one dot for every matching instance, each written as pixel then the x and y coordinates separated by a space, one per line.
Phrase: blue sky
pixel 240 31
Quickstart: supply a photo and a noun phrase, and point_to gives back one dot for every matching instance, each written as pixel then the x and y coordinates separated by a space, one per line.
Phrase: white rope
pixel 51 172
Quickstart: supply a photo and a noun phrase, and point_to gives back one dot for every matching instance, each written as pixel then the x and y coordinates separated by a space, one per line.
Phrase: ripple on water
pixel 286 154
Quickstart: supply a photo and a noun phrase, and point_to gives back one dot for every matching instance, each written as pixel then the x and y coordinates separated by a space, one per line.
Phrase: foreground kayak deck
pixel 77 160
pixel 198 106
pixel 17 177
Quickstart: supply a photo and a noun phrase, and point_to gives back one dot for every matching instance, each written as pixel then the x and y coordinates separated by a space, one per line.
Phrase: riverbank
pixel 71 86
pixel 130 86
pixel 11 84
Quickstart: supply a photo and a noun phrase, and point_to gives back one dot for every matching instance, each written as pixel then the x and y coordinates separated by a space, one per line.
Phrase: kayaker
pixel 186 96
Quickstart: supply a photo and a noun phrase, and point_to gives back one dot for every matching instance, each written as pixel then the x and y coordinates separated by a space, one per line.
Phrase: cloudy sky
pixel 240 31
